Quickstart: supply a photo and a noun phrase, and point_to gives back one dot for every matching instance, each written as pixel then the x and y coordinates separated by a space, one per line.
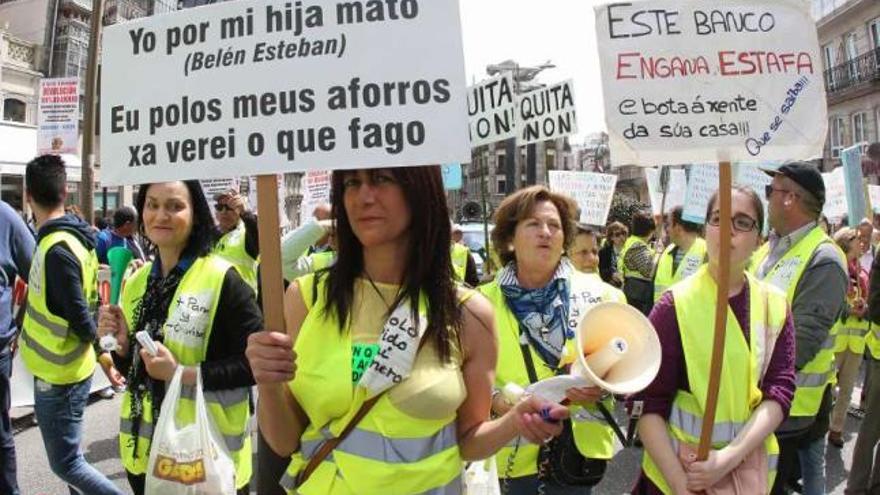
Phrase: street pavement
pixel 101 449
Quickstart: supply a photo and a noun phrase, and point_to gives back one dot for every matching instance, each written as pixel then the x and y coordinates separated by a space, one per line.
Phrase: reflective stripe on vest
pixel 231 247
pixel 744 362
pixel 187 331
pixel 593 437
pixel 690 262
pixel 48 349
pixel 389 451
pixel 786 274
pixel 621 265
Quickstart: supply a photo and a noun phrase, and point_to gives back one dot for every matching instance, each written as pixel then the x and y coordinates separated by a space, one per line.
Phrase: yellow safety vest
pixel 389 451
pixel 186 332
pixel 812 379
pixel 460 255
pixel 322 260
pixel 593 437
pixel 690 263
pixel 231 247
pixel 50 351
pixel 851 335
pixel 872 341
pixel 625 272
pixel 739 394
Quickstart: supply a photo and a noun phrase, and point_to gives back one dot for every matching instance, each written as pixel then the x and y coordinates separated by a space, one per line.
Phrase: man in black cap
pixel 802 261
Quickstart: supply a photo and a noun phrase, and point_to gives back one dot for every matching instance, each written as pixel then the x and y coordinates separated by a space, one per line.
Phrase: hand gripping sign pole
pixel 724 193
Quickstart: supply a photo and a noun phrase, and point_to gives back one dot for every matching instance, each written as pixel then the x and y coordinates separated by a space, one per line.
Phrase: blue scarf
pixel 542 313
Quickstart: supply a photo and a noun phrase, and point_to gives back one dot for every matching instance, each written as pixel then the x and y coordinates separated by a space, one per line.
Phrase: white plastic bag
pixel 481 478
pixel 188 459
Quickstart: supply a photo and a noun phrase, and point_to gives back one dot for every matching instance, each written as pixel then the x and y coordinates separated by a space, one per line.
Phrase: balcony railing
pixel 862 69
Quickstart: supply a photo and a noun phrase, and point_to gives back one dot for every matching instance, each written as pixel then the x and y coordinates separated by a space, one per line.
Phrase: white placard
pixel 874 194
pixel 546 113
pixel 835 195
pixel 58 116
pixel 710 81
pixel 258 87
pixel 702 184
pixel 315 187
pixel 217 186
pixel 674 194
pixel 492 110
pixel 593 193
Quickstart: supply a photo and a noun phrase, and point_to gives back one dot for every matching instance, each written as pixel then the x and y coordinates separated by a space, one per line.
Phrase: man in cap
pixel 803 261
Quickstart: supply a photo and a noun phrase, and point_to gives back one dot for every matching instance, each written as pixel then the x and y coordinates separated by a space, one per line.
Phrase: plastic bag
pixel 190 459
pixel 481 478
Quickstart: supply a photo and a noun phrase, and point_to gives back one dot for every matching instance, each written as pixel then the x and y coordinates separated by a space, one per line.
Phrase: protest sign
pixel 217 186
pixel 874 195
pixel 711 81
pixel 452 180
pixel 58 116
pixel 702 184
pixel 546 113
pixel 492 110
pixel 592 192
pixel 674 193
pixel 251 192
pixel 257 87
pixel 835 195
pixel 854 181
pixel 315 187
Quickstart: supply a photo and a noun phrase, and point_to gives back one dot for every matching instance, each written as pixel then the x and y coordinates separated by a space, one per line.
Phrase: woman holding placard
pixel 757 379
pixel 539 298
pixel 200 313
pixel 382 382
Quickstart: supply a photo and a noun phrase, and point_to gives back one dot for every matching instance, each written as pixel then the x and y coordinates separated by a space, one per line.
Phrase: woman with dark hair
pixel 200 312
pixel 757 379
pixel 383 380
pixel 636 262
pixel 539 299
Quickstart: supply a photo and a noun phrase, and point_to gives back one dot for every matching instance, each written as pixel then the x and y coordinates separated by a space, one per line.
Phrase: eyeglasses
pixel 740 222
pixel 768 191
pixel 221 207
pixel 616 234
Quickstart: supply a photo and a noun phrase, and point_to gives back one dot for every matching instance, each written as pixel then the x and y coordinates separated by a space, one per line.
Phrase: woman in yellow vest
pixel 539 298
pixel 852 330
pixel 757 379
pixel 200 311
pixel 384 356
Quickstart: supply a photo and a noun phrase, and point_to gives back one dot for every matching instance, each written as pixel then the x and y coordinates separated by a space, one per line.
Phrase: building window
pixel 852 54
pixel 860 127
pixel 14 110
pixel 836 129
pixel 874 30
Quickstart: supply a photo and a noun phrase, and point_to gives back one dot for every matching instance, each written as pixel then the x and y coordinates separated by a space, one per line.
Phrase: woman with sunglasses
pixel 240 243
pixel 851 332
pixel 616 236
pixel 757 379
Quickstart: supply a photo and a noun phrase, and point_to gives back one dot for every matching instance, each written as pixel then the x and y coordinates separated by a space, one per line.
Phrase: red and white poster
pixel 58 118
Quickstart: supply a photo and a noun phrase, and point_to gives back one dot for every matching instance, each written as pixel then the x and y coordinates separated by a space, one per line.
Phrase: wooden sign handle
pixel 724 193
pixel 271 285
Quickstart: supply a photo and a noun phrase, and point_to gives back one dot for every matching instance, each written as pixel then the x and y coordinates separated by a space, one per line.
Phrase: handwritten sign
pixel 674 193
pixel 256 87
pixel 702 185
pixel 709 81
pixel 315 187
pixel 546 113
pixel 835 195
pixel 592 192
pixel 492 110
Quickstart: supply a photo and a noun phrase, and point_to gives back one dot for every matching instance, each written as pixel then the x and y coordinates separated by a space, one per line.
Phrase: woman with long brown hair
pixel 382 381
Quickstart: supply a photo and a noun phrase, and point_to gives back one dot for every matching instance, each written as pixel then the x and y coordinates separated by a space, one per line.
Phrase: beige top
pixel 435 389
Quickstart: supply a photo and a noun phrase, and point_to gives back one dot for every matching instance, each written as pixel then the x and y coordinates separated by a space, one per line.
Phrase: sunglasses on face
pixel 221 207
pixel 740 222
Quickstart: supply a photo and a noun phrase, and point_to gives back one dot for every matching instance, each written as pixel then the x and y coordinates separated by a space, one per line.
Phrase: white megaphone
pixel 617 350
